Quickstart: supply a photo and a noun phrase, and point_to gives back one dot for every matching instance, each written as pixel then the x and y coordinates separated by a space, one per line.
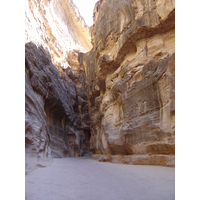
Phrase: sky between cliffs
pixel 86 9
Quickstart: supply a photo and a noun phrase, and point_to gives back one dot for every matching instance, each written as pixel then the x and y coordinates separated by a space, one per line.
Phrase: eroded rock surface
pixel 57 120
pixel 130 74
pixel 130 81
pixel 58 26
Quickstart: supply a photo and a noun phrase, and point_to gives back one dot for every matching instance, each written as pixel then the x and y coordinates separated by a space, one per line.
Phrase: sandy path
pixel 86 179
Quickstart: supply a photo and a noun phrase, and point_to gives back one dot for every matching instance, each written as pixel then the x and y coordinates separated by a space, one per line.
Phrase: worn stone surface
pixel 57 120
pixel 130 80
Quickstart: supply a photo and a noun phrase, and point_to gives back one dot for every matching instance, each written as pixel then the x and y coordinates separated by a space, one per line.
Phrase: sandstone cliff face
pixel 130 81
pixel 57 122
pixel 130 74
pixel 58 26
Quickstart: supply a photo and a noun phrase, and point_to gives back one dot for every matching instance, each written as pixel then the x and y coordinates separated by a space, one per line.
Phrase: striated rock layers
pixel 57 122
pixel 130 85
pixel 131 81
pixel 58 26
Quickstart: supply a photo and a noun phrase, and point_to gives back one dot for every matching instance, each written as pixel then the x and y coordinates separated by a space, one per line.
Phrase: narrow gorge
pixel 105 91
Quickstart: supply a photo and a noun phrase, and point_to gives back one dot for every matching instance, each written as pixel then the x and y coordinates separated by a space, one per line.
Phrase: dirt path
pixel 86 179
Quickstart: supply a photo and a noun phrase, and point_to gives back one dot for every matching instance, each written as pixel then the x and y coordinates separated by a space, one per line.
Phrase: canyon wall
pixel 57 122
pixel 58 26
pixel 128 73
pixel 131 81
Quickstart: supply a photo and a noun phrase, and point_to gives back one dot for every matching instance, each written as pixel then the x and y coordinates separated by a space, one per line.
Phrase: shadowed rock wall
pixel 57 121
pixel 131 81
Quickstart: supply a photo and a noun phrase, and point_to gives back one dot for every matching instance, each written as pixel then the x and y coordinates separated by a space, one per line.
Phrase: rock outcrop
pixel 58 26
pixel 131 81
pixel 57 122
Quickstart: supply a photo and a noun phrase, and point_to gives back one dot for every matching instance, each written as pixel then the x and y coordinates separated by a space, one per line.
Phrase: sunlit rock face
pixel 130 81
pixel 57 122
pixel 57 26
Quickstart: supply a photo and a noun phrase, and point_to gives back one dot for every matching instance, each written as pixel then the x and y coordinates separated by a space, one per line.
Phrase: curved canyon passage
pixel 87 179
pixel 107 92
